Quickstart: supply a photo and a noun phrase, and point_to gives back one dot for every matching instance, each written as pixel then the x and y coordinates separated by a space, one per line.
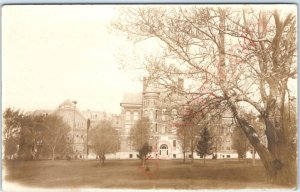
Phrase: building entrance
pixel 163 150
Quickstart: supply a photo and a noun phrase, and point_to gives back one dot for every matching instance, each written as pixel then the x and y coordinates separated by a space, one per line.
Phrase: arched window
pixel 164 146
pixel 174 112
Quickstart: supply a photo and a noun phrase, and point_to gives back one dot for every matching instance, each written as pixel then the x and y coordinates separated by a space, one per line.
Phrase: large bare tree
pixel 234 57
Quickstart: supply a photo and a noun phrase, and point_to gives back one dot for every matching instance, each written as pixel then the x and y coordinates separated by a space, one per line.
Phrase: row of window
pixel 151 114
pixel 78 124
pixel 189 156
pixel 150 102
pixel 129 116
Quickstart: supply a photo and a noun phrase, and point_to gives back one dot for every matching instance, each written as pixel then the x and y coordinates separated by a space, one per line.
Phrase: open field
pixel 128 174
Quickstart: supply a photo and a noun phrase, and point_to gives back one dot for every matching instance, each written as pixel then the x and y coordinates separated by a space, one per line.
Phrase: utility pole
pixel 87 140
pixel 74 125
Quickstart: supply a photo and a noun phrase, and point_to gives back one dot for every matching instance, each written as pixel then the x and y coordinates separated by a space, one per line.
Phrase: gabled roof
pixel 132 98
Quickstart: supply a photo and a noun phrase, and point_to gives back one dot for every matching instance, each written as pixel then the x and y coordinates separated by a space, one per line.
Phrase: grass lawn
pixel 128 174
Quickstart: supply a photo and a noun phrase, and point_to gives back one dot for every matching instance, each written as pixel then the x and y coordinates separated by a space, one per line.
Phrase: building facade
pixel 164 113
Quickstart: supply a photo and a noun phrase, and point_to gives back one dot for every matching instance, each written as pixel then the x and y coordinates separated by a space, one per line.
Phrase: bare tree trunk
pixel 192 151
pixel 183 156
pixel 276 159
pixel 53 151
pixel 253 157
pixel 204 159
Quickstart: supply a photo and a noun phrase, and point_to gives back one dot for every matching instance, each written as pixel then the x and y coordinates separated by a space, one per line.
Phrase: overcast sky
pixel 54 53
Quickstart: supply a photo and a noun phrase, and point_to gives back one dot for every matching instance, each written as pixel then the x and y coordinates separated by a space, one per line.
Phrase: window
pixel 150 114
pixel 156 114
pixel 190 156
pixel 130 156
pixel 164 146
pixel 163 130
pixel 163 116
pixel 174 156
pixel 127 115
pixel 174 113
pixel 135 115
pixel 156 128
pixel 174 143
pixel 227 156
pixel 145 113
pixel 127 129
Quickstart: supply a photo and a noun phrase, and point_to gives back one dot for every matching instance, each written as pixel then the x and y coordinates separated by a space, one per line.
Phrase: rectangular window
pixel 127 115
pixel 174 156
pixel 127 129
pixel 228 156
pixel 135 115
pixel 156 128
pixel 163 115
pixel 174 143
pixel 130 156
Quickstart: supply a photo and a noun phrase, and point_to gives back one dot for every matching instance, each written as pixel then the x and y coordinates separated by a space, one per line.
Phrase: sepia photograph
pixel 149 96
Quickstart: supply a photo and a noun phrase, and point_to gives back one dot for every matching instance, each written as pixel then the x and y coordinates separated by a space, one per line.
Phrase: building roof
pixel 132 98
pixel 67 104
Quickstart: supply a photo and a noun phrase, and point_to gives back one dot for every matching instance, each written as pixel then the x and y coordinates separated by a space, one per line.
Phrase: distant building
pixel 78 122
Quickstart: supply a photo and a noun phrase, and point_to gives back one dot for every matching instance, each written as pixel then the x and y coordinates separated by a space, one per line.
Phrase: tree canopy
pixel 105 139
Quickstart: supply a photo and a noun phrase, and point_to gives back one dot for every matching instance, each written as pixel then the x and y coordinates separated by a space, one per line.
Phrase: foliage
pixel 240 143
pixel 139 138
pixel 144 152
pixel 140 133
pixel 28 136
pixel 55 136
pixel 11 131
pixel 105 139
pixel 205 143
